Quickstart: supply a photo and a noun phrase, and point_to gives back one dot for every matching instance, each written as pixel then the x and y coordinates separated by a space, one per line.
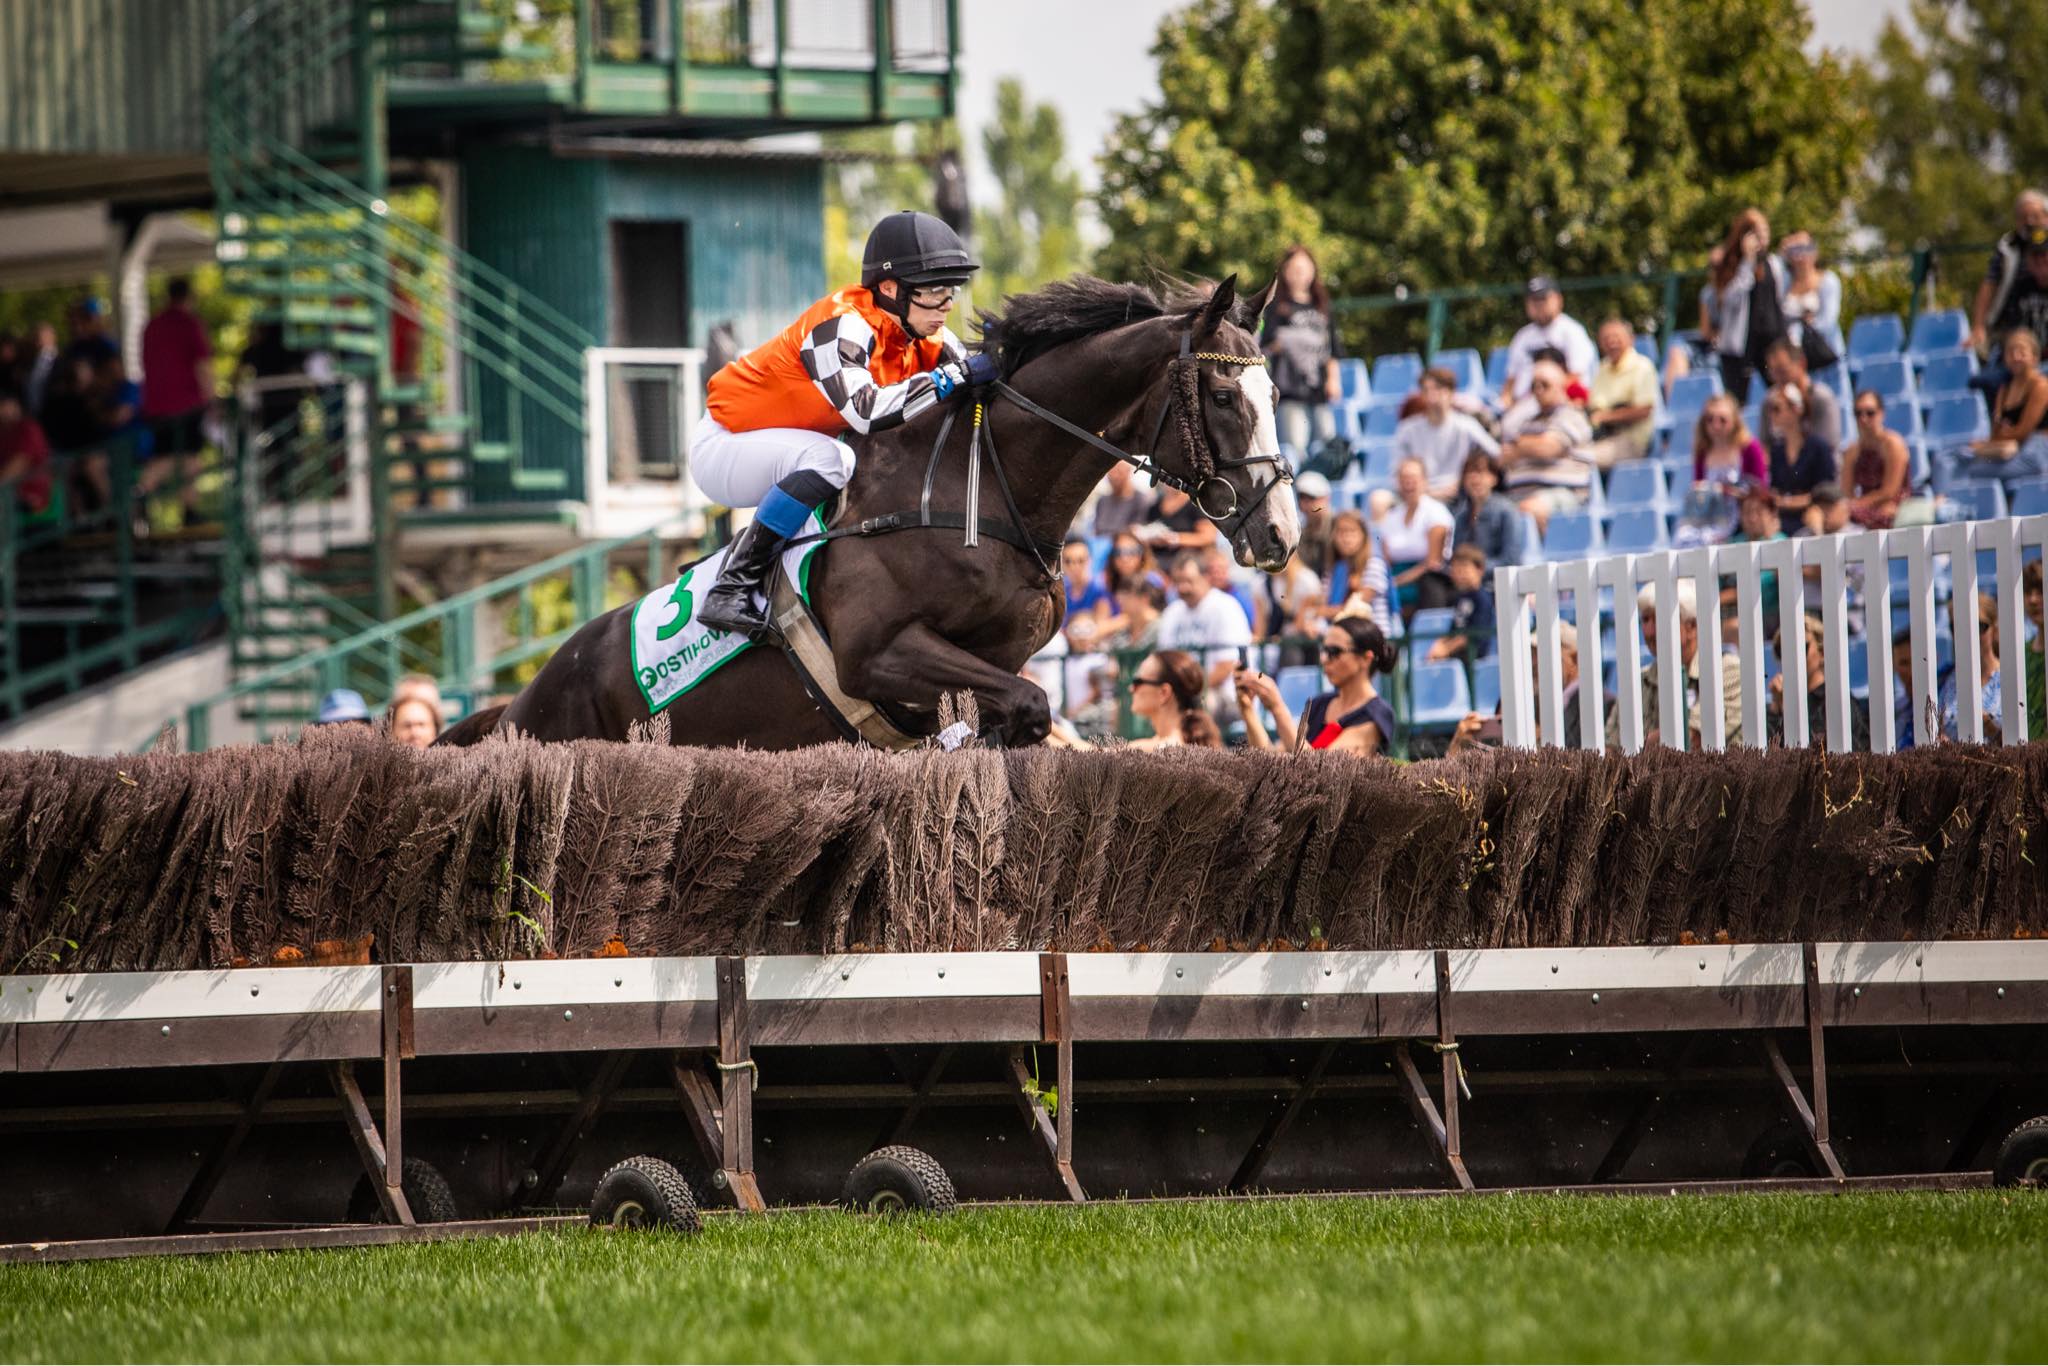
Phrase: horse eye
pixel 1221 398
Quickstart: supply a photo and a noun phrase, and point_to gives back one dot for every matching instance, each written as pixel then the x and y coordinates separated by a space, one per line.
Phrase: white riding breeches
pixel 736 469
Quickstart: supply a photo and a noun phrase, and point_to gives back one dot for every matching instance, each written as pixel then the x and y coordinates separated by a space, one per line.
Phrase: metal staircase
pixel 297 132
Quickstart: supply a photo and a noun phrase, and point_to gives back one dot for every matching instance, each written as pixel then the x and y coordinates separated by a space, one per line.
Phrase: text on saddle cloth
pixel 672 651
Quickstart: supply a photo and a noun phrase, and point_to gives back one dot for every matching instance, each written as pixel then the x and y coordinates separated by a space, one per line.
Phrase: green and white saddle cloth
pixel 672 651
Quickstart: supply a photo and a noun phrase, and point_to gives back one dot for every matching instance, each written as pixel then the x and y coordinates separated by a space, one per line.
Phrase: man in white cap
pixel 1549 328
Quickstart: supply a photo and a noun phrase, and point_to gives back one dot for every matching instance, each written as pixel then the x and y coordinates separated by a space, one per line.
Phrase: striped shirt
pixel 843 364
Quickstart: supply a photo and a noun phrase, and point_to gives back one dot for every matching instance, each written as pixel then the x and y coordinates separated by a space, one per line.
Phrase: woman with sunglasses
pixel 1813 301
pixel 1166 693
pixel 1351 718
pixel 1723 451
pixel 867 357
pixel 1875 463
pixel 1132 581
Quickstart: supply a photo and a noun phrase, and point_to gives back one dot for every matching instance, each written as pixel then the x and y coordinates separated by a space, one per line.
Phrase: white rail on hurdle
pixel 1531 598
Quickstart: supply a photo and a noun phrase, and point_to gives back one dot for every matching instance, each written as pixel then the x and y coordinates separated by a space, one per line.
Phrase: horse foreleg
pixel 918 665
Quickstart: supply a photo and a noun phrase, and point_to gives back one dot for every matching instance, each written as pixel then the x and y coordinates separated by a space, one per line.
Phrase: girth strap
pixel 804 644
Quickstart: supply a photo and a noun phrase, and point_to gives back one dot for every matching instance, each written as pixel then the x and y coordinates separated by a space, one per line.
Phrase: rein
pixel 1182 399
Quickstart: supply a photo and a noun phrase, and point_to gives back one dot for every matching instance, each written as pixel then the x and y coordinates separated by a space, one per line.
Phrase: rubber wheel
pixel 895 1179
pixel 644 1192
pixel 1780 1152
pixel 2023 1158
pixel 426 1194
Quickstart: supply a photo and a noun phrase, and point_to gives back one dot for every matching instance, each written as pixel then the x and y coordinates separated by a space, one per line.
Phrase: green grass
pixel 1873 1277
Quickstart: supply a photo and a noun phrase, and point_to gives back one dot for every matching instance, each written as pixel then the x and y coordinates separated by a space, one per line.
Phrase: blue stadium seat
pixel 1985 499
pixel 1759 385
pixel 1859 668
pixel 1890 378
pixel 1646 346
pixel 1572 536
pixel 1381 421
pixel 1948 374
pixel 1298 683
pixel 1876 334
pixel 1464 362
pixel 1753 418
pixel 1690 393
pixel 1919 466
pixel 1944 330
pixel 1396 376
pixel 1903 418
pixel 1439 695
pixel 1636 484
pixel 1836 377
pixel 1486 685
pixel 1098 552
pixel 1351 378
pixel 1431 622
pixel 1635 531
pixel 1377 460
pixel 2030 499
pixel 1680 449
pixel 1955 421
pixel 1496 368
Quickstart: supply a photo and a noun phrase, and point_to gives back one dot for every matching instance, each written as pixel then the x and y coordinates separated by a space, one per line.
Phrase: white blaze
pixel 1278 508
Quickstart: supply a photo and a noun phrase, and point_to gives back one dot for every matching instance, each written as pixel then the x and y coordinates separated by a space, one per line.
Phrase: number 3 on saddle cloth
pixel 673 652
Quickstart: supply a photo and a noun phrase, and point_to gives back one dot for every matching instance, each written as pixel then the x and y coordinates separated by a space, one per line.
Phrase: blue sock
pixel 781 513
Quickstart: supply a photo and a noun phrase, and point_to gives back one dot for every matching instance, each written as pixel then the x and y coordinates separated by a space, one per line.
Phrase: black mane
pixel 1068 310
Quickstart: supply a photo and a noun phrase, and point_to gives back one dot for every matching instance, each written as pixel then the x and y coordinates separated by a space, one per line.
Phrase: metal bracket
pixel 217 1162
pixel 736 1097
pixel 538 1184
pixel 1280 1120
pixel 370 1149
pixel 1055 1132
pixel 1812 1119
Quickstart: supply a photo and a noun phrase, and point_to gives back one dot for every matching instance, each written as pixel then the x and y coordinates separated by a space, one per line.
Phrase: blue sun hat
pixel 343 704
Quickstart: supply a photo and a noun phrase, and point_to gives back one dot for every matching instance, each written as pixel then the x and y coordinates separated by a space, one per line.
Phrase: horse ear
pixel 1250 310
pixel 1217 309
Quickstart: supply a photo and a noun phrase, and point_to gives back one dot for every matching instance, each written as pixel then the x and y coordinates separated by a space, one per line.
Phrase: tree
pixel 1432 143
pixel 892 170
pixel 1959 126
pixel 1030 235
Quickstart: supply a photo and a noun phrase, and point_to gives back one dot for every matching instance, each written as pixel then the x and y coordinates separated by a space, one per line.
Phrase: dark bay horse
pixel 914 614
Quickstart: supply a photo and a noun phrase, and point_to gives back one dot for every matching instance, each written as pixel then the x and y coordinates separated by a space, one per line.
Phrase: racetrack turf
pixel 1777 1277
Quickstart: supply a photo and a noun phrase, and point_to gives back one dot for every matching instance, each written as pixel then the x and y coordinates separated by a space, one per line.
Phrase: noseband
pixel 1214 496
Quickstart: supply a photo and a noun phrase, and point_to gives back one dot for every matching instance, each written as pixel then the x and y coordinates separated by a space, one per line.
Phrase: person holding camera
pixel 1351 718
pixel 1748 314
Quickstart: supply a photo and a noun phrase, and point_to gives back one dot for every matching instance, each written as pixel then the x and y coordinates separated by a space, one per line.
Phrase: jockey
pixel 866 358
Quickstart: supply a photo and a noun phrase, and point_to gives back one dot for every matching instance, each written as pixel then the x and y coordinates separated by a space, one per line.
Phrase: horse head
pixel 1226 442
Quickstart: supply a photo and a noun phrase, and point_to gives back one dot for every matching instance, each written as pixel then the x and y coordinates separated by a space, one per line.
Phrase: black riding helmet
pixel 916 249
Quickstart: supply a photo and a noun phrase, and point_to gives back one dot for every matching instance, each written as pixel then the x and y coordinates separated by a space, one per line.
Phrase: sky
pixel 1092 58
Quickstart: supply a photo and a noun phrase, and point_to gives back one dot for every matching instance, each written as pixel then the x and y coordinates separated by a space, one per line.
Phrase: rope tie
pixel 1458 1060
pixel 747 1066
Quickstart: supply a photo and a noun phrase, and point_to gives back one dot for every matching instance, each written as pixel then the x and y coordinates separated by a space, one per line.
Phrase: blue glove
pixel 982 369
pixel 947 378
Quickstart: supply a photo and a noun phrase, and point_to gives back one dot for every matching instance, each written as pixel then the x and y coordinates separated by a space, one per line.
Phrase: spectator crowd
pixel 75 396
pixel 1480 475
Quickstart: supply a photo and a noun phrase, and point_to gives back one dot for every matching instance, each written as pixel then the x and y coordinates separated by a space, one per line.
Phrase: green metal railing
pixel 1663 299
pixel 444 640
pixel 112 632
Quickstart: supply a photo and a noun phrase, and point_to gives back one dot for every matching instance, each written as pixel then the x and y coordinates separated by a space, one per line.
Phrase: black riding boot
pixel 729 606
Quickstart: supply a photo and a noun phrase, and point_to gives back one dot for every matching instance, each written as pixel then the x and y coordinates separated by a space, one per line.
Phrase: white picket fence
pixel 1531 596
